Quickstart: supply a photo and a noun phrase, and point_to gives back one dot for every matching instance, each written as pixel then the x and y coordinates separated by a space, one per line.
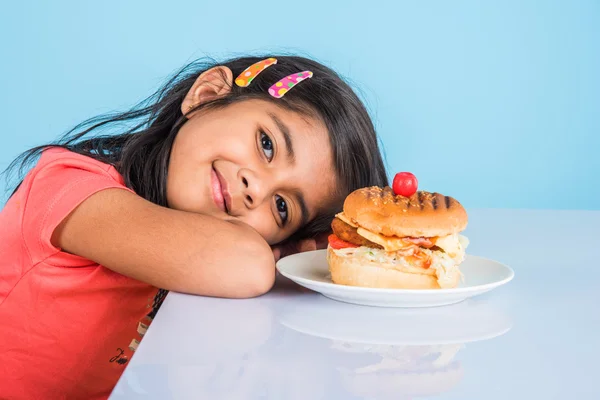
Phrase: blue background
pixel 495 103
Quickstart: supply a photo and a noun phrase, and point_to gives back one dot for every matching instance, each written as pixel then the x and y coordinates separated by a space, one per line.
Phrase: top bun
pixel 423 214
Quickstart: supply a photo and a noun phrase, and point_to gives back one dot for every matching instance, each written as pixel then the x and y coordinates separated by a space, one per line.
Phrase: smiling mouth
pixel 220 192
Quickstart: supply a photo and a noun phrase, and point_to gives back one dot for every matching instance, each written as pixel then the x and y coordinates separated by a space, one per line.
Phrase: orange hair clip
pixel 247 76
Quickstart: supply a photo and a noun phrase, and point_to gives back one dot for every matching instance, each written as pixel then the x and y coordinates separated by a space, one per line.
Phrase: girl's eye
pixel 282 208
pixel 267 145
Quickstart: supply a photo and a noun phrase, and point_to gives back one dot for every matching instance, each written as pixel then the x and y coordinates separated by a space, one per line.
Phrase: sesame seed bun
pixel 423 214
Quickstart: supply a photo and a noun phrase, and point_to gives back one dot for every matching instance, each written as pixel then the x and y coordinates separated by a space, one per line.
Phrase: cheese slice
pixel 388 243
pixel 346 220
pixel 453 245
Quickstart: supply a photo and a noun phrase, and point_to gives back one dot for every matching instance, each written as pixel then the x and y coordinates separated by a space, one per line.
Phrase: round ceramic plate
pixel 310 270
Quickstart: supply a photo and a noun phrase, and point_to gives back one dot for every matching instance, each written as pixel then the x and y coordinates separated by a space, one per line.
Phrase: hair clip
pixel 284 85
pixel 252 71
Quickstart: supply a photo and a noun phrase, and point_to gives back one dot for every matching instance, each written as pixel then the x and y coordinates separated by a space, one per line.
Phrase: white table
pixel 535 338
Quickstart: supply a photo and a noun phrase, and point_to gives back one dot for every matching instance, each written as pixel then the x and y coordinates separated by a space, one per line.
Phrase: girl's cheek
pixel 242 153
pixel 263 223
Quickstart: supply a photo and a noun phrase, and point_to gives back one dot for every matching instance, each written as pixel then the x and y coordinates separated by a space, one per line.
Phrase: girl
pixel 219 165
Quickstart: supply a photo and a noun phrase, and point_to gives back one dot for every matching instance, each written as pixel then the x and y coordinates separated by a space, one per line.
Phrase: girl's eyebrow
pixel 285 131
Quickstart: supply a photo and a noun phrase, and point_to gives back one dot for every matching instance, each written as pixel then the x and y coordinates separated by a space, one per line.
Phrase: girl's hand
pixel 293 247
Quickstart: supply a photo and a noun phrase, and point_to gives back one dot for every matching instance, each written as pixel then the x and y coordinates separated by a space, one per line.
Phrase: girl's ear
pixel 210 85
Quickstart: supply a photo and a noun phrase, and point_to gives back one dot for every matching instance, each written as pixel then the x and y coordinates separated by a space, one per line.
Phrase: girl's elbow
pixel 261 277
pixel 244 272
pixel 254 271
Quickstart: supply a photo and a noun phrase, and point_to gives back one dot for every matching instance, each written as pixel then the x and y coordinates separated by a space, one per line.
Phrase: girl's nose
pixel 254 190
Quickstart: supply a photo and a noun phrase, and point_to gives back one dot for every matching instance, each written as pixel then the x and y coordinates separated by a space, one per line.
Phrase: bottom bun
pixel 355 271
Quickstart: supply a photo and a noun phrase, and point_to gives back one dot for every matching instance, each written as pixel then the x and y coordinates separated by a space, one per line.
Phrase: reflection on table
pixel 309 348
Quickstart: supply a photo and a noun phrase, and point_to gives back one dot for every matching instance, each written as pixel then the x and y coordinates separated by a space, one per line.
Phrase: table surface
pixel 536 337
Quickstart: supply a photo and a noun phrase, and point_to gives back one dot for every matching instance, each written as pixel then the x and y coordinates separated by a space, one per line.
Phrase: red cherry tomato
pixel 405 184
pixel 337 243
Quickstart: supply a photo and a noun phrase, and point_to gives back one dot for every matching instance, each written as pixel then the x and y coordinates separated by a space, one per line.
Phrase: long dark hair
pixel 141 138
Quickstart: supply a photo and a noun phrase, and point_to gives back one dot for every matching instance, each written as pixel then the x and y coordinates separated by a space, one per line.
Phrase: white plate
pixel 310 270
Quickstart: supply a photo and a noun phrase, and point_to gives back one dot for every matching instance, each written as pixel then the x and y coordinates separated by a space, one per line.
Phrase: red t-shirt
pixel 68 325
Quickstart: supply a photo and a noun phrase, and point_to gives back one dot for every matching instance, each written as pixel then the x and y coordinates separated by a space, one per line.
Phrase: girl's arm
pixel 170 249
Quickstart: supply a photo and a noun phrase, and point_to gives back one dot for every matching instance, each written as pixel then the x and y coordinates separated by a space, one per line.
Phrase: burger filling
pixel 436 255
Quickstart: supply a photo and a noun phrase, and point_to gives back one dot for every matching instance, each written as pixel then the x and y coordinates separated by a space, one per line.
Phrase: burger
pixel 386 240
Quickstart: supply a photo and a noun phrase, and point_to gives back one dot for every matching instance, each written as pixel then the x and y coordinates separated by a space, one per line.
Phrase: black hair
pixel 141 150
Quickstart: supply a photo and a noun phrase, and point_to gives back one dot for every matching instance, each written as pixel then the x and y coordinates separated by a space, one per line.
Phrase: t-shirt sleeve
pixel 60 182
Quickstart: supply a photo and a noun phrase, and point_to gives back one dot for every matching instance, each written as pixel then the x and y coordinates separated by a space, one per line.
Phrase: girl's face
pixel 253 161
